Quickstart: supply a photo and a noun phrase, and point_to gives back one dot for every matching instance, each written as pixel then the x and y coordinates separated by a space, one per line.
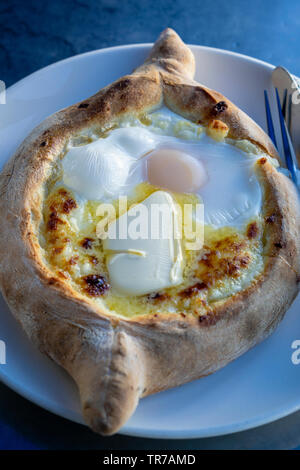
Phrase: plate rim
pixel 139 46
pixel 138 431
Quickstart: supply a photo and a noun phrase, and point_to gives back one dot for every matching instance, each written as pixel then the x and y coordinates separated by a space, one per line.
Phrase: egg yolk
pixel 175 170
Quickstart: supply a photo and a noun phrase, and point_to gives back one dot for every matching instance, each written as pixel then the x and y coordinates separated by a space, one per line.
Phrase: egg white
pixel 113 166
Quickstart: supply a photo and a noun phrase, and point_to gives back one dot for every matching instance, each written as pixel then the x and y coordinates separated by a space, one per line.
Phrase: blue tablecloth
pixel 35 34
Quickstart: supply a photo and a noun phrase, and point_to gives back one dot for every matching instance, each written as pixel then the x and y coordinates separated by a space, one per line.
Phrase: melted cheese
pixel 230 260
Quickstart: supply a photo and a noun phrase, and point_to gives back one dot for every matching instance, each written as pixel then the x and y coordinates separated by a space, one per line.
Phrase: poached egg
pixel 174 155
pixel 221 174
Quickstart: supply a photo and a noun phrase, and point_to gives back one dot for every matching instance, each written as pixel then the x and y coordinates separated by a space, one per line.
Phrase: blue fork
pixel 289 153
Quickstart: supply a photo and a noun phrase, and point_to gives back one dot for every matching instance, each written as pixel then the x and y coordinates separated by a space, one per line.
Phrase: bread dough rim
pixel 132 345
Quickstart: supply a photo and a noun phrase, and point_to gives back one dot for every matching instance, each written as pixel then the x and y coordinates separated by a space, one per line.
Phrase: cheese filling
pixel 134 275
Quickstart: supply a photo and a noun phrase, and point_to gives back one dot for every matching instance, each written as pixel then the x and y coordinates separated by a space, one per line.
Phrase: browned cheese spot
pixel 252 230
pixel 87 243
pixel 96 285
pixel 158 297
pixel 223 258
pixel 193 290
pixel 54 220
pixel 271 219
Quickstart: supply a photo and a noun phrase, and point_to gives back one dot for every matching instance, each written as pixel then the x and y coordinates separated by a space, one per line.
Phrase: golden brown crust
pixel 113 360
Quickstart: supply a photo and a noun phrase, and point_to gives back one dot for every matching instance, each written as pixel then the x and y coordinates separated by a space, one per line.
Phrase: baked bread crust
pixel 116 360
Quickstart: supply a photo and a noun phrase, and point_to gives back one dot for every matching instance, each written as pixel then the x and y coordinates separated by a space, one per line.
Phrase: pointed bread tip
pixel 171 54
pixel 110 390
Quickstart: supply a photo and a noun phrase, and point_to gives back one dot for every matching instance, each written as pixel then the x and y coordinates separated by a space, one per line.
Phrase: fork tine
pixel 270 120
pixel 284 103
pixel 289 153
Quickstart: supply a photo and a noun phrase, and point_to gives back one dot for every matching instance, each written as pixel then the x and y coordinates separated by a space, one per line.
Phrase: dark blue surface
pixel 35 34
pixel 26 426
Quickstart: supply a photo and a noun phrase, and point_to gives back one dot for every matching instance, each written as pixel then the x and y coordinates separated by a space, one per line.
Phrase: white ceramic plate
pixel 261 386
